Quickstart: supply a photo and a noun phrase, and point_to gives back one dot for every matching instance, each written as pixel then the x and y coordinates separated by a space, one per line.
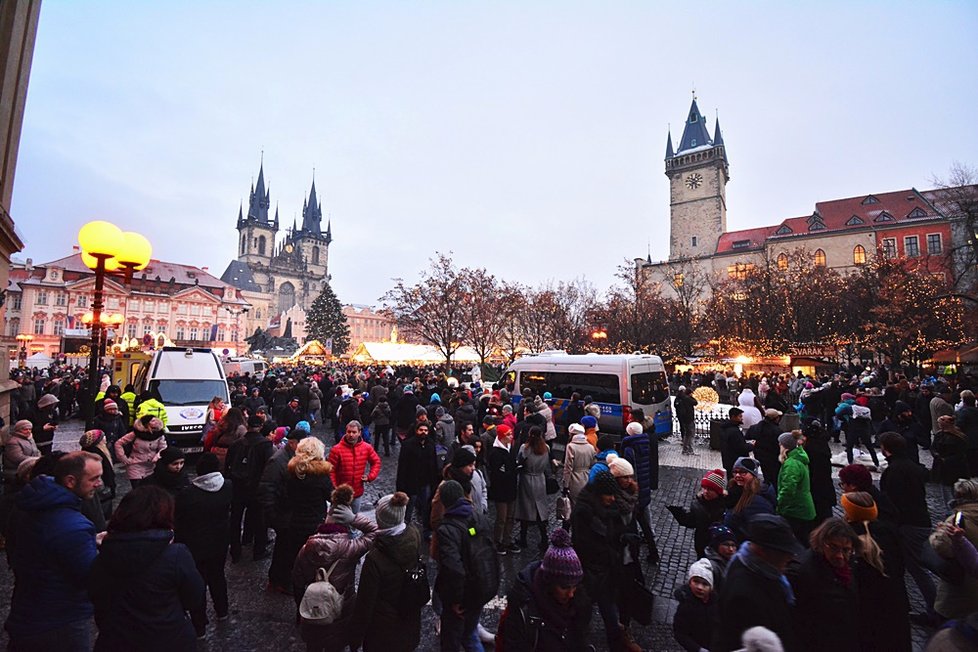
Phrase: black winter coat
pixel 748 599
pixel 826 612
pixel 909 430
pixel 884 610
pixel 766 450
pixel 528 625
pixel 203 515
pixel 701 515
pixel 905 483
pixel 733 444
pixel 257 450
pixel 820 475
pixel 377 620
pixel 503 478
pixel 309 497
pixel 950 457
pixel 142 586
pixel 695 621
pixel 597 535
pixel 272 495
pixel 417 466
pixel 405 411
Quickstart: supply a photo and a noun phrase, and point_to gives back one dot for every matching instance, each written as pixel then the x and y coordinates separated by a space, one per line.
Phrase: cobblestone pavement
pixel 261 620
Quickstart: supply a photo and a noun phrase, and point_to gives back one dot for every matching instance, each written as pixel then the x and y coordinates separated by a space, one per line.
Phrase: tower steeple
pixel 695 133
pixel 258 201
pixel 669 152
pixel 312 213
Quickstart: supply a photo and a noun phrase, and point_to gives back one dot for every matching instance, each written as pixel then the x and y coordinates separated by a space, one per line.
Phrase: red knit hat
pixel 714 480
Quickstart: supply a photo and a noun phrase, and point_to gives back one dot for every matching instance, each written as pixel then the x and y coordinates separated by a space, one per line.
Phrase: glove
pixel 676 510
pixel 341 514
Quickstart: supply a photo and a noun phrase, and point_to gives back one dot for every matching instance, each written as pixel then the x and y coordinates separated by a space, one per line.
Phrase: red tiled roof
pixel 182 274
pixel 753 237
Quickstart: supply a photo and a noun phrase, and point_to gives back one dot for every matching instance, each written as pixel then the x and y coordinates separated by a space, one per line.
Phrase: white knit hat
pixel 702 569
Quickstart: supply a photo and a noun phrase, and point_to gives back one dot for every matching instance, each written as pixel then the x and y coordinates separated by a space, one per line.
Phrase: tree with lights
pixel 326 321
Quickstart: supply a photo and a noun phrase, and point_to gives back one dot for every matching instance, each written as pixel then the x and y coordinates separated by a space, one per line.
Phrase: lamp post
pixel 24 339
pixel 106 249
pixel 236 312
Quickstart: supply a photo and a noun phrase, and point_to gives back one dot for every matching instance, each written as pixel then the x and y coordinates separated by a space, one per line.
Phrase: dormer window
pixel 870 200
pixel 816 225
pixel 783 230
pixel 883 217
pixel 917 212
pixel 741 244
pixel 855 220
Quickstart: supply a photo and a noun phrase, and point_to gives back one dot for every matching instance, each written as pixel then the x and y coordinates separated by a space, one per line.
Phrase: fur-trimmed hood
pixel 313 467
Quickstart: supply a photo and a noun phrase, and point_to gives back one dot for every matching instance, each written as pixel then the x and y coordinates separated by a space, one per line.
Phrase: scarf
pixel 843 574
pixel 757 565
pixel 556 617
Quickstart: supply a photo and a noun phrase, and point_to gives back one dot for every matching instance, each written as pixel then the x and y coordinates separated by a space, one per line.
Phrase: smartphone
pixel 957 520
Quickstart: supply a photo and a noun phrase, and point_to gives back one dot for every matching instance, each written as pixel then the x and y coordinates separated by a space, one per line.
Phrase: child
pixel 696 614
pixel 705 510
pixel 720 550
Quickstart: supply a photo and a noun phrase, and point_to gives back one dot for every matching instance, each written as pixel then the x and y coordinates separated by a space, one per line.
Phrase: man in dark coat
pixel 967 420
pixel 684 405
pixel 244 465
pixel 733 444
pixel 201 522
pixel 113 392
pixel 274 500
pixel 755 591
pixel 766 450
pixel 50 608
pixel 404 412
pixel 418 474
pixel 902 422
pixel 290 414
pixel 503 478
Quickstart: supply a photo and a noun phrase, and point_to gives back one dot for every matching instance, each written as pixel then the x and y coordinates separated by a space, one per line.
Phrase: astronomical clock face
pixel 694 181
pixel 289 249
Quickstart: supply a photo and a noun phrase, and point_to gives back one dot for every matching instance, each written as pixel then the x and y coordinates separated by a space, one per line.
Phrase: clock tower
pixel 698 172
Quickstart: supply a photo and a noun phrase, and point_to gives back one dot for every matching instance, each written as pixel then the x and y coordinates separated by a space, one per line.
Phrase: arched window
pixel 286 296
pixel 783 261
pixel 244 239
pixel 315 255
pixel 819 258
pixel 261 245
pixel 859 255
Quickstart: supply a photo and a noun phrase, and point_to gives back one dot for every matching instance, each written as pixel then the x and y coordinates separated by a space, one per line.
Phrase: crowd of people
pixel 783 559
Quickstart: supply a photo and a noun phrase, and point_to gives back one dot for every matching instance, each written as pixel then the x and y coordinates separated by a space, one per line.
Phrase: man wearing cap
pixel 111 421
pixel 113 393
pixel 44 421
pixel 245 464
pixel 546 607
pixel 274 500
pixel 405 411
pixel 18 448
pixel 766 450
pixel 289 415
pixel 732 441
pixel 684 405
pixel 755 591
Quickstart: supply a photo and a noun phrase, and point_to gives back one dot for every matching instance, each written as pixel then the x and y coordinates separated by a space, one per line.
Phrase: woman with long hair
pixel 747 496
pixel 230 429
pixel 308 488
pixel 532 503
pixel 141 584
pixel 212 416
pixel 878 570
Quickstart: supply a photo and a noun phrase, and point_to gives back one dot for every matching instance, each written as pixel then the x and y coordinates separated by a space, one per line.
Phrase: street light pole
pixel 237 317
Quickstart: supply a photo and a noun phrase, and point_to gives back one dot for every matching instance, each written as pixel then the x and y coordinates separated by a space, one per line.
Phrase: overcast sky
pixel 527 137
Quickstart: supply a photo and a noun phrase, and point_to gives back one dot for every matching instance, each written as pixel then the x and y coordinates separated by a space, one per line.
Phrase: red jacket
pixel 350 462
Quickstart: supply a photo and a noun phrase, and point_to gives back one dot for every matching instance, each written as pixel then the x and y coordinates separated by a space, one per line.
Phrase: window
pixel 934 244
pixel 261 245
pixel 916 213
pixel 911 246
pixel 859 255
pixel 315 255
pixel 740 271
pixel 180 333
pixel 870 200
pixel 782 262
pixel 693 241
pixel 783 230
pixel 855 220
pixel 59 327
pixel 42 297
pixel 741 244
pixel 147 329
pixel 39 327
pixel 603 388
pixel 15 305
pixel 819 258
pixel 884 217
pixel 131 330
pixel 677 279
pixel 243 240
pixel 650 388
pixel 220 334
pixel 194 333
pixel 816 225
pixel 61 299
pixel 889 248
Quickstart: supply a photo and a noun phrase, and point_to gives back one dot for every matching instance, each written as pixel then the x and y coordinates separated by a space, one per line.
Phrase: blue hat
pixel 589 422
pixel 409 389
pixel 435 398
pixel 547 396
pixel 303 425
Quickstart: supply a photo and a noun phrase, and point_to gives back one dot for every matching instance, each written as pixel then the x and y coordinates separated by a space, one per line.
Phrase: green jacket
pixel 794 487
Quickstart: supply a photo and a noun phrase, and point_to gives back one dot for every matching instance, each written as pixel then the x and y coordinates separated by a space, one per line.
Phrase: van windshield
pixel 650 388
pixel 188 392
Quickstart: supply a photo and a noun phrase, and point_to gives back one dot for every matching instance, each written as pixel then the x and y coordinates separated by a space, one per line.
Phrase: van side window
pixel 602 388
pixel 649 388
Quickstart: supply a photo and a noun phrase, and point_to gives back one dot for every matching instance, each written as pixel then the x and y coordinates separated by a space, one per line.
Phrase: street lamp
pixel 24 339
pixel 106 249
pixel 237 312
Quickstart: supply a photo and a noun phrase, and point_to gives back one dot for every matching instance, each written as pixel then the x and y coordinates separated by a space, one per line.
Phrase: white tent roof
pixel 399 352
pixel 39 359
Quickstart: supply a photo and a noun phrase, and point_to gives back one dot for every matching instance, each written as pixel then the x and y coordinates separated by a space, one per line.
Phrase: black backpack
pixel 245 470
pixel 481 564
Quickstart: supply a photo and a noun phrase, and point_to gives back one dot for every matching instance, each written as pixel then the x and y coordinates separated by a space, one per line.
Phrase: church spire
pixel 669 152
pixel 717 136
pixel 312 213
pixel 258 200
pixel 695 133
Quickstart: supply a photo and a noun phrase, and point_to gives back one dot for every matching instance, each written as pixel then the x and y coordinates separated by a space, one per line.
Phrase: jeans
pixel 460 632
pixel 73 637
pixel 420 502
pixel 502 532
pixel 686 429
pixel 212 572
pixel 254 524
pixel 862 438
pixel 608 609
pixel 383 436
pixel 355 505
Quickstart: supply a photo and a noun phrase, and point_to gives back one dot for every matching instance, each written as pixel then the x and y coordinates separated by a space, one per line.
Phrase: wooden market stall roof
pixel 401 352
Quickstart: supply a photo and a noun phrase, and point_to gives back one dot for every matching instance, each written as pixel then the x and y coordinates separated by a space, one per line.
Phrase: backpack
pixel 241 468
pixel 321 603
pixel 415 591
pixel 481 565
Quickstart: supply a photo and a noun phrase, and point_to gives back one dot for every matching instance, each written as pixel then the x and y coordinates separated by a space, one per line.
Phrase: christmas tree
pixel 326 321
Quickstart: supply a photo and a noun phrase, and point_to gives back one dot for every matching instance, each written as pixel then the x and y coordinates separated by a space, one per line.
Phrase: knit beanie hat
pixel 606 443
pixel 208 463
pixel 720 534
pixel 702 569
pixel 439 412
pixel 560 565
pixel 604 484
pixel 108 405
pixel 462 458
pixel 788 441
pixel 303 425
pixel 280 433
pixel 391 510
pixel 450 493
pixel 748 464
pixel 620 467
pixel 91 437
pixel 575 429
pixel 857 475
pixel 714 480
pixel 634 428
pixel 27 424
pixel 589 422
pixel 857 513
pixel 171 454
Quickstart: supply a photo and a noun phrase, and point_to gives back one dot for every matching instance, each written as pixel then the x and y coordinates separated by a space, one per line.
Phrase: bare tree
pixel 689 283
pixel 433 310
pixel 957 198
pixel 484 308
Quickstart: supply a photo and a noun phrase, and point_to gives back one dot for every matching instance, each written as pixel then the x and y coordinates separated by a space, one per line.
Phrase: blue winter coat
pixel 635 449
pixel 600 464
pixel 55 548
pixel 763 503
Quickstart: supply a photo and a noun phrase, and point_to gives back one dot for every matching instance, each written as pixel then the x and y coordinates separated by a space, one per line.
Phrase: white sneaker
pixel 485 635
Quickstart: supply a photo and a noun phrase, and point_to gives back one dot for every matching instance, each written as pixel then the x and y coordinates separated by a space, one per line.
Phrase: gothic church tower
pixel 698 172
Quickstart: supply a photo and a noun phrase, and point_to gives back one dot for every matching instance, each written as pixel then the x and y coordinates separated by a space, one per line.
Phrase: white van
pixel 185 381
pixel 242 366
pixel 617 383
